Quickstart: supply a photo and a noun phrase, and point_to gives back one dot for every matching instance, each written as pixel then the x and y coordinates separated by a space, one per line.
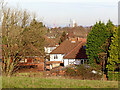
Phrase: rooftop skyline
pixel 59 12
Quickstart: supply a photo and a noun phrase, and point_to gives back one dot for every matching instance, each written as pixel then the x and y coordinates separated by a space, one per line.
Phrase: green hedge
pixel 113 75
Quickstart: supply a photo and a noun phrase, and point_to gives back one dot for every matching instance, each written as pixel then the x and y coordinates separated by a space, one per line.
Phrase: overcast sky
pixel 59 12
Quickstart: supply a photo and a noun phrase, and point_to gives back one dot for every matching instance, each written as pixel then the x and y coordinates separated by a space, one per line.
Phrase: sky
pixel 59 12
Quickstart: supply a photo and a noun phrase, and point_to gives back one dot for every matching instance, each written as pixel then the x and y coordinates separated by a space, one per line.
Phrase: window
pixel 25 60
pixel 35 60
pixel 22 61
pixel 81 61
pixel 55 57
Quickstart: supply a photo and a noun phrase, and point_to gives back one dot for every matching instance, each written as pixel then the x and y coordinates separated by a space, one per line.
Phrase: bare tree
pixel 20 36
pixel 13 24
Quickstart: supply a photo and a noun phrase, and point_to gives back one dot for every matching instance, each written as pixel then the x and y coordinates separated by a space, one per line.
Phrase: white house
pixel 70 52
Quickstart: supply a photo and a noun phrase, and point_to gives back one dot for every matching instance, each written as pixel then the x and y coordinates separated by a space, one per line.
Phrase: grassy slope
pixel 37 82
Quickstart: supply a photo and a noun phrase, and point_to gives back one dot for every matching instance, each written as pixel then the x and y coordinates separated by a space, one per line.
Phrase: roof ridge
pixel 73 49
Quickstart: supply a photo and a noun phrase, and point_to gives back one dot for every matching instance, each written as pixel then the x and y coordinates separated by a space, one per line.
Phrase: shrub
pixel 83 73
pixel 54 71
pixel 95 67
pixel 86 73
pixel 70 72
pixel 81 70
pixel 113 75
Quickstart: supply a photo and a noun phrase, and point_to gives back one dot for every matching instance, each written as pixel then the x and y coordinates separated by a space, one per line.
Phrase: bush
pixel 86 73
pixel 55 71
pixel 95 67
pixel 70 72
pixel 83 72
pixel 113 75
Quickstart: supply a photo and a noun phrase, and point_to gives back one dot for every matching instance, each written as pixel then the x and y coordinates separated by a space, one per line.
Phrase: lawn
pixel 42 82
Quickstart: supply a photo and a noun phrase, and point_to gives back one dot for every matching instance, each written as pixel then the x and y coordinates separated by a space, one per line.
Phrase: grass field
pixel 42 82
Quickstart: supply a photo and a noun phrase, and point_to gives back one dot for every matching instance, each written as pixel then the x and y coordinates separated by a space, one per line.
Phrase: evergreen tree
pixel 95 41
pixel 113 61
pixel 110 27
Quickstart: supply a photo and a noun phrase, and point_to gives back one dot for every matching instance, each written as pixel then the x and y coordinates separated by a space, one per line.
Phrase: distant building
pixel 72 23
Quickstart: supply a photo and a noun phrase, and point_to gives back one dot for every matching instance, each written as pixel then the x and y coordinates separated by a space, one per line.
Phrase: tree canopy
pixel 113 60
pixel 63 37
pixel 97 40
pixel 33 39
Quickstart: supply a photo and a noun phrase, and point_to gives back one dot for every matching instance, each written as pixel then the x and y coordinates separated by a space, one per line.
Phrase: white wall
pixel 65 62
pixel 60 57
pixel 74 61
pixel 49 49
pixel 69 61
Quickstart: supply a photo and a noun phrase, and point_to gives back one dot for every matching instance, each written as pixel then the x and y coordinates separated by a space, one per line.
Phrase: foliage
pixel 119 42
pixel 33 39
pixel 110 27
pixel 95 67
pixel 63 37
pixel 86 73
pixel 70 72
pixel 113 61
pixel 48 30
pixel 97 41
pixel 113 75
pixel 83 72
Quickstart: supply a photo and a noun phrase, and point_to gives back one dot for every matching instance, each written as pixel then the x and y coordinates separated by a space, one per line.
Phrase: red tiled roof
pixel 77 53
pixel 71 50
pixel 65 47
pixel 50 42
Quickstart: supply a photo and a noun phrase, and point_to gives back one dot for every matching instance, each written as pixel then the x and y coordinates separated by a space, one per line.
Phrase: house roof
pixel 50 42
pixel 71 50
pixel 77 53
pixel 65 47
